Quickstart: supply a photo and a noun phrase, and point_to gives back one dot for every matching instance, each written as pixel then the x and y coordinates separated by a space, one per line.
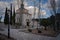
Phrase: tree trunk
pixel 45 28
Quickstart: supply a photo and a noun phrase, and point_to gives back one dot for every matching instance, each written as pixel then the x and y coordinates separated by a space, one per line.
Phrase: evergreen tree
pixel 11 15
pixel 6 17
pixel 14 16
pixel 45 23
pixel 0 18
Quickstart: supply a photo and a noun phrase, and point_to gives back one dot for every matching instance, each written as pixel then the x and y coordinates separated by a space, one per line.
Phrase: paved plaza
pixel 27 36
pixel 15 33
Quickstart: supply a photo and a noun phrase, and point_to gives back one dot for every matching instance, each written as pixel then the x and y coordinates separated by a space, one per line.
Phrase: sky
pixel 29 5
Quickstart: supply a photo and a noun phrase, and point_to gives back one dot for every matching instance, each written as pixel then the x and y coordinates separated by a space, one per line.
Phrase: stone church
pixel 22 16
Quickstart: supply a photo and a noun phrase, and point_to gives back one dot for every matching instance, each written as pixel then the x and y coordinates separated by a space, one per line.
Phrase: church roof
pixel 20 10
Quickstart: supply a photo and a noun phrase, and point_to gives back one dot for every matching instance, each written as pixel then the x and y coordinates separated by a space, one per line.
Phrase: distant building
pixel 22 16
pixel 35 23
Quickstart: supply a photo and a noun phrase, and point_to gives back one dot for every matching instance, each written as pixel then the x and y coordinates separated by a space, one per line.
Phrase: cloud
pixel 43 12
pixel 15 3
pixel 31 11
pixel 58 3
pixel 3 5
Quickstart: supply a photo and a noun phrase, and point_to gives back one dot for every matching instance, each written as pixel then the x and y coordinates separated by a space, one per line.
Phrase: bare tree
pixel 53 6
pixel 34 2
pixel 39 11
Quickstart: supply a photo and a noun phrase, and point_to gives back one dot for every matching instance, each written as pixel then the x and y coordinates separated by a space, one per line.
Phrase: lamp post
pixel 8 11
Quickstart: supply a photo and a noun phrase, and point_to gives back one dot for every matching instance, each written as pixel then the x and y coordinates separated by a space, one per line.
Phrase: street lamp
pixel 8 11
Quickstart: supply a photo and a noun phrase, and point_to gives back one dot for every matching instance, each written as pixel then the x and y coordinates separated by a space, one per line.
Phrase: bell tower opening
pixel 22 5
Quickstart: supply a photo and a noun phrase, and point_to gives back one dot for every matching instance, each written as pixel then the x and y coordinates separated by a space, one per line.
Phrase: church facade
pixel 22 16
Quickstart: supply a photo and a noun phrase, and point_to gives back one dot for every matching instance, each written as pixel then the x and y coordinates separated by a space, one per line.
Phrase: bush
pixel 39 31
pixel 30 30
